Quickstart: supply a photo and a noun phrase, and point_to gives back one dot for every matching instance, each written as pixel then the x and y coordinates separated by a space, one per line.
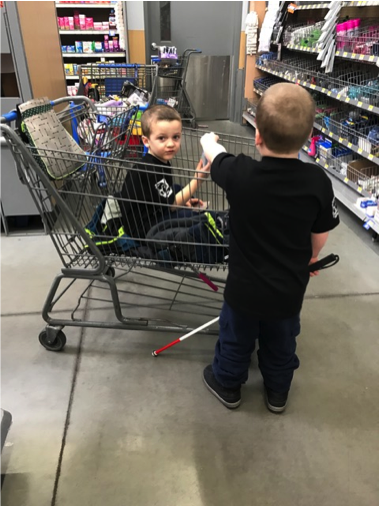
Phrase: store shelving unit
pixel 99 12
pixel 346 191
pixel 330 86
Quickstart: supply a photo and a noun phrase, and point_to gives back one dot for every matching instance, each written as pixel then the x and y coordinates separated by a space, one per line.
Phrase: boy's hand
pixel 208 138
pixel 211 148
pixel 313 261
pixel 195 203
pixel 203 172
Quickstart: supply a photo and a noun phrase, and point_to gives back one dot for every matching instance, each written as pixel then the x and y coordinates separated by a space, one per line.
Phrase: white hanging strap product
pixel 251 32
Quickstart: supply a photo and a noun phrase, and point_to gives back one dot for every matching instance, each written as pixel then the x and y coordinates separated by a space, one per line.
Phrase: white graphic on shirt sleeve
pixel 163 188
pixel 334 208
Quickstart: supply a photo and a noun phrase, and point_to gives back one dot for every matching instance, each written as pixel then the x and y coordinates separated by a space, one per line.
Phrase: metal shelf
pixel 319 5
pixel 329 93
pixel 325 5
pixel 345 192
pixel 249 118
pixel 86 32
pixel 86 6
pixel 348 144
pixel 91 55
pixel 296 47
pixel 363 58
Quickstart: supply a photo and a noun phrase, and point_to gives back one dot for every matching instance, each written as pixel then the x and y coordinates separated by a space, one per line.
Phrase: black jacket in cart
pixel 275 205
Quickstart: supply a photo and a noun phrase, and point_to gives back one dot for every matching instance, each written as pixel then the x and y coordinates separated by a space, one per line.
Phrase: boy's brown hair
pixel 157 113
pixel 284 117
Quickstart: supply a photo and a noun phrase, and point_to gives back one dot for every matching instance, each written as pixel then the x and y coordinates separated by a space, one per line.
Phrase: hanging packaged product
pixel 112 21
pixel 87 46
pixel 98 47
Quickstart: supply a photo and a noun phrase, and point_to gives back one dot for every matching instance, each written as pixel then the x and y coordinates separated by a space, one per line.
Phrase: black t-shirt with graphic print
pixel 275 205
pixel 147 194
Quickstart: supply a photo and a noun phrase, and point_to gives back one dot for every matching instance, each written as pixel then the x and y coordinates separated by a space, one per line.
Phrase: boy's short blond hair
pixel 157 113
pixel 285 117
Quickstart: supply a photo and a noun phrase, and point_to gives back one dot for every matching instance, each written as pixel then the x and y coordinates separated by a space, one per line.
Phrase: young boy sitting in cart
pixel 151 213
pixel 148 194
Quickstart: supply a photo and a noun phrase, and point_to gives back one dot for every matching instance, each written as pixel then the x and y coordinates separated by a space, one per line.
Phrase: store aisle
pixel 105 423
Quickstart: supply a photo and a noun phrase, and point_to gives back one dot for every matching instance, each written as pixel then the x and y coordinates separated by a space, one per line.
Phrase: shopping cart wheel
pixel 111 272
pixel 57 345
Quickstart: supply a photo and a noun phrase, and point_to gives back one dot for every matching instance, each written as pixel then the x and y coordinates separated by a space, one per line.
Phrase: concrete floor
pixel 103 423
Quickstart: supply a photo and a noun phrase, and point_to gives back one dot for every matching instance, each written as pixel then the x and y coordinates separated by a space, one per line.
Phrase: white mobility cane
pixel 195 331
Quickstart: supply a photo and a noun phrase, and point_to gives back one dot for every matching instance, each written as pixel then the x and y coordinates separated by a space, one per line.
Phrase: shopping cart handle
pixel 8 117
pixel 324 263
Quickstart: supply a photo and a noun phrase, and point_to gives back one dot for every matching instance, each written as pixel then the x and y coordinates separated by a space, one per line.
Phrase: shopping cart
pixel 171 86
pixel 171 277
pixel 107 79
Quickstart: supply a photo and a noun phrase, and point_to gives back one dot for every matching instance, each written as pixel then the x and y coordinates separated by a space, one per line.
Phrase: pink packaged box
pixel 66 23
pixel 71 23
pixel 98 26
pixel 105 25
pixel 82 21
pixel 89 23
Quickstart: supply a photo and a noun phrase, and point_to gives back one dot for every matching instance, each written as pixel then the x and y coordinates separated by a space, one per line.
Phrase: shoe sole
pixel 229 405
pixel 274 409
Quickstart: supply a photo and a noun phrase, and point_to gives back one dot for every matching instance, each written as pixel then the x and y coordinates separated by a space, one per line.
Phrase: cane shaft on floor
pixel 186 336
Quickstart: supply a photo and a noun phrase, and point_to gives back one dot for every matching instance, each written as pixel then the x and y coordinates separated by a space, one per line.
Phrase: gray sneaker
pixel 275 401
pixel 229 397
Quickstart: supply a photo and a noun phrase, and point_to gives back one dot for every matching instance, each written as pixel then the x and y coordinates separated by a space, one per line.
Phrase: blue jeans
pixel 277 359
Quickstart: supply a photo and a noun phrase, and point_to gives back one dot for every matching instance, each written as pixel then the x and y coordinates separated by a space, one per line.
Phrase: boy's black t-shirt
pixel 148 193
pixel 275 205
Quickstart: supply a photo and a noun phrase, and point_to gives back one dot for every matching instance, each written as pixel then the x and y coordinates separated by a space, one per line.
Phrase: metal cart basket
pixel 171 86
pixel 109 78
pixel 78 191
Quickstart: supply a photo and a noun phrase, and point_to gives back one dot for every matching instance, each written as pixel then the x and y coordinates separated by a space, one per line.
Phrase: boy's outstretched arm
pixel 183 196
pixel 210 146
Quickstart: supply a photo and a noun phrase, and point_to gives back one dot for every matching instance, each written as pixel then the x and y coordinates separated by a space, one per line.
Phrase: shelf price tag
pixel 349 145
pixel 339 96
pixel 359 104
pixel 372 58
pixel 344 54
pixel 370 157
pixel 346 180
pixel 317 160
pixel 361 56
pixel 337 53
pixel 313 86
pixel 370 107
pixel 360 189
pixel 323 130
pixel 326 166
pixel 353 55
pixel 323 90
pixel 340 139
pixel 347 100
pixel 360 151
pixel 331 134
pixel 329 93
